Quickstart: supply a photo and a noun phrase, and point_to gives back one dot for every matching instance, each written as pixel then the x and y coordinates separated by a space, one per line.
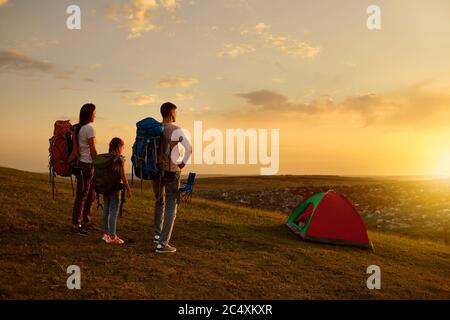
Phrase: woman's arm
pixel 92 149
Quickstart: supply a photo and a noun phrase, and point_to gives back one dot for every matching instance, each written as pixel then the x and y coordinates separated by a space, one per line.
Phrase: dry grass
pixel 224 252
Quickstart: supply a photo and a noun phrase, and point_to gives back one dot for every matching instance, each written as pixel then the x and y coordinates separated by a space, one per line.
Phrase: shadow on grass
pixel 245 237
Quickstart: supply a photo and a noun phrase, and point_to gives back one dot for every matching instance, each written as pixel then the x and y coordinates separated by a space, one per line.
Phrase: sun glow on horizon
pixel 440 165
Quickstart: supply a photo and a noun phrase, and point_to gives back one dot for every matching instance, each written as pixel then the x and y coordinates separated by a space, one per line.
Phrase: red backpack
pixel 63 146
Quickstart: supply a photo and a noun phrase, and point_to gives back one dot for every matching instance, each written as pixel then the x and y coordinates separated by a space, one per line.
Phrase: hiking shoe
pixel 106 238
pixel 165 249
pixel 79 231
pixel 156 239
pixel 116 240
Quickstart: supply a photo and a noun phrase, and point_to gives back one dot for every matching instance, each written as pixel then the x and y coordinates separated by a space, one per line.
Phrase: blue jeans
pixel 110 210
pixel 166 207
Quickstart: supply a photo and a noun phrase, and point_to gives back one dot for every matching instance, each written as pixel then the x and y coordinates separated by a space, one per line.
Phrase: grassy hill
pixel 419 208
pixel 224 252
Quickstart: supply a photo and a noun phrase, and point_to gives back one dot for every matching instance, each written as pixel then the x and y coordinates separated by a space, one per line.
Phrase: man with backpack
pixel 166 188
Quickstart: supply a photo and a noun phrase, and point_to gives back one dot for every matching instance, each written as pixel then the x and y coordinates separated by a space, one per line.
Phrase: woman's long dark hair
pixel 86 116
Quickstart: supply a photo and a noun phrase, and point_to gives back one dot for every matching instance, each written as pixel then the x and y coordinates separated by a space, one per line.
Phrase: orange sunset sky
pixel 347 100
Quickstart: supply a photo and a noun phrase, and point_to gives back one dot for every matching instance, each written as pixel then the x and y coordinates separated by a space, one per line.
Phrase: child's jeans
pixel 110 210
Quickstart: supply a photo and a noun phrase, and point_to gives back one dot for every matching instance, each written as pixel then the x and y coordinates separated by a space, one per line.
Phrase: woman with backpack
pixel 111 197
pixel 83 170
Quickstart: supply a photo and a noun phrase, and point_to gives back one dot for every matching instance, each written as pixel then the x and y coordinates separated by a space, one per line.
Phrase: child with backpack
pixel 111 197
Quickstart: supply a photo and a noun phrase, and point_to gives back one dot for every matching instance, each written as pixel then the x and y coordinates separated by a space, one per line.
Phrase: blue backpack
pixel 146 149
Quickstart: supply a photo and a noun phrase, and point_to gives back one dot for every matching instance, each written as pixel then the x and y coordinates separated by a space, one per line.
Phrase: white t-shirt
pixel 173 133
pixel 86 132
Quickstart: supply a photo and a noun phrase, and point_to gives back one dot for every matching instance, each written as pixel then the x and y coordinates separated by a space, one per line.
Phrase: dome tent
pixel 331 218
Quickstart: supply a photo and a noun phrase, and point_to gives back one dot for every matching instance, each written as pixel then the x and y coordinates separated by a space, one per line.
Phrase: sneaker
pixel 116 240
pixel 80 231
pixel 106 238
pixel 156 239
pixel 165 249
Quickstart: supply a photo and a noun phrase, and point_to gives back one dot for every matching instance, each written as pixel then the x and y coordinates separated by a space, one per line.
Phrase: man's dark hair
pixel 166 108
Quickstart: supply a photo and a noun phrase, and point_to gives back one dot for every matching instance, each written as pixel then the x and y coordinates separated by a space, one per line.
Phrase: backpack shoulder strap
pixel 164 146
pixel 74 154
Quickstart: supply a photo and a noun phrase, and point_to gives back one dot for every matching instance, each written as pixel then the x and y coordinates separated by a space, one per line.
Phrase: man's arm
pixel 187 151
pixel 92 149
pixel 178 136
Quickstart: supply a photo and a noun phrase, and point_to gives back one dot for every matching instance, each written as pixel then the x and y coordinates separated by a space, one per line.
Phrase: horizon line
pixel 440 177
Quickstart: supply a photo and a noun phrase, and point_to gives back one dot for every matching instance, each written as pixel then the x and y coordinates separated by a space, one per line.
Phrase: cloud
pixel 176 81
pixel 278 80
pixel 235 50
pixel 63 76
pixel 290 46
pixel 418 106
pixel 3 3
pixel 183 96
pixel 271 101
pixel 95 66
pixel 14 61
pixel 35 43
pixel 138 15
pixel 199 111
pixel 263 98
pixel 136 98
pixel 142 100
pixel 286 44
pixel 124 91
pixel 261 27
pixel 44 44
pixel 169 4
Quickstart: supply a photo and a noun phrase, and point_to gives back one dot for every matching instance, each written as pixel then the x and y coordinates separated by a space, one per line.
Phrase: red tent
pixel 329 217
